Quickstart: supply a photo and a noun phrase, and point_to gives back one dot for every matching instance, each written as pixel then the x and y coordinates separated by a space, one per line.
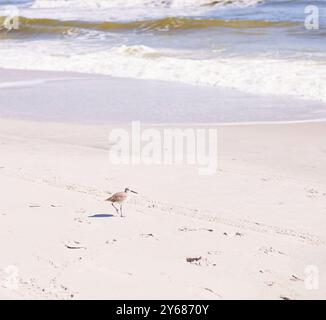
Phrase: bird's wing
pixel 120 196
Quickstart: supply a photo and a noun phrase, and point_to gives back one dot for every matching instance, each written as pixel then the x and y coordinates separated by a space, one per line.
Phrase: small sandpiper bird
pixel 120 198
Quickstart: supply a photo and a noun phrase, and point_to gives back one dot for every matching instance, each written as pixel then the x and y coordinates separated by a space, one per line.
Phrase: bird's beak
pixel 134 191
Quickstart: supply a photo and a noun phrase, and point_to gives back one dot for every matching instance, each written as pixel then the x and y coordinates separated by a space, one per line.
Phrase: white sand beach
pixel 214 112
pixel 255 226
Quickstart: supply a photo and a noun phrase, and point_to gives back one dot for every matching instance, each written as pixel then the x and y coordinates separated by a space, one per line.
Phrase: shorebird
pixel 120 198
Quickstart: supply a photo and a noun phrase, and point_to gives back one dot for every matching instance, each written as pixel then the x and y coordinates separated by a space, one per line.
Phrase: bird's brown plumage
pixel 118 197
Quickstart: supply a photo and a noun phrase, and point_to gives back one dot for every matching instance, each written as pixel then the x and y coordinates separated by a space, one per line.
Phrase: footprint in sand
pixel 111 241
pixel 295 278
pixel 186 229
pixel 270 284
pixel 236 234
pixel 270 250
pixel 74 245
pixel 312 193
pixel 212 292
pixel 80 220
pixel 34 206
pixel 148 236
pixel 214 252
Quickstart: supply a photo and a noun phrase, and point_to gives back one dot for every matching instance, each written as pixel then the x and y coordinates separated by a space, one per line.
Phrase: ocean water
pixel 254 46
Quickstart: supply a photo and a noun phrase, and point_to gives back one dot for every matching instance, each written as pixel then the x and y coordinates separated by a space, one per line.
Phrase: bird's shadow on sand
pixel 101 215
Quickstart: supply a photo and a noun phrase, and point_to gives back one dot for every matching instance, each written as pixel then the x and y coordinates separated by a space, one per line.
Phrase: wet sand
pixel 88 98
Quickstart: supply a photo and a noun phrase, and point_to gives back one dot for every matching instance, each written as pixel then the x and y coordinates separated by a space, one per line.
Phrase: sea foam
pixel 298 78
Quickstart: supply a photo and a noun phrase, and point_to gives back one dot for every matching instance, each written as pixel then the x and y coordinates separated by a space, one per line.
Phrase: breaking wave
pixel 299 78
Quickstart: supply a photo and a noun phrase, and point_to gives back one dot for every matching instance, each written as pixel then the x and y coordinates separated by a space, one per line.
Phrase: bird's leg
pixel 116 209
pixel 121 210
